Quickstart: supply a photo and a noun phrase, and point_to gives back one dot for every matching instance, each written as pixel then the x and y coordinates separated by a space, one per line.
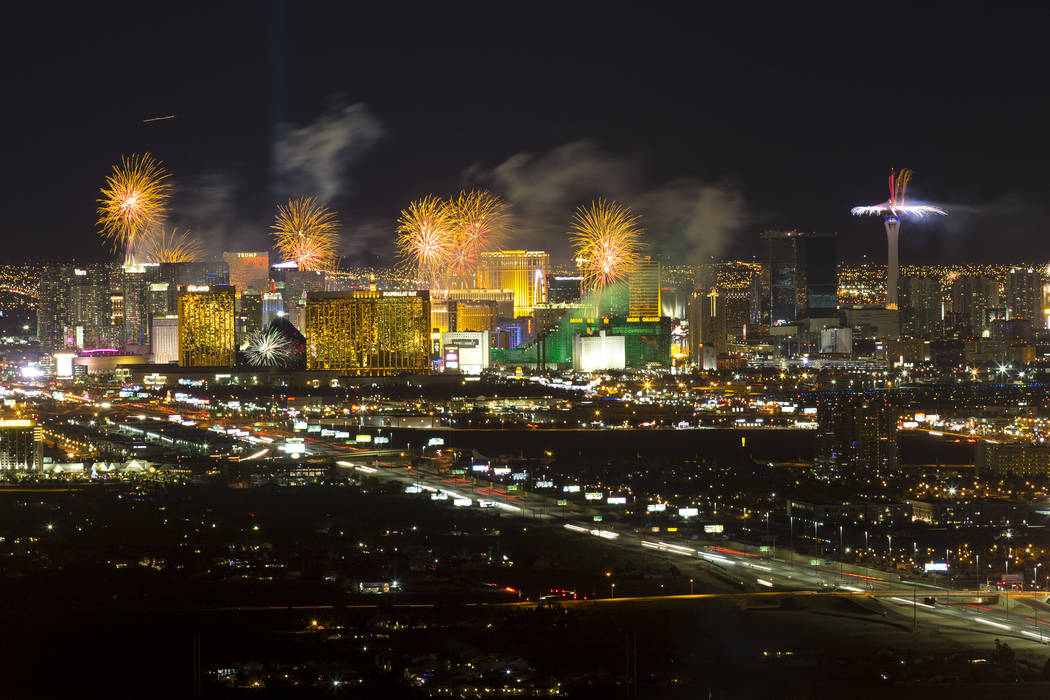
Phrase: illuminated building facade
pixel 707 327
pixel 137 279
pixel 89 296
pixel 21 445
pixel 53 308
pixel 524 272
pixel 973 300
pixel 164 340
pixel 162 300
pixel 248 269
pixel 272 307
pixel 249 313
pixel 646 340
pixel 858 432
pixel 643 288
pixel 921 306
pixel 1024 294
pixel 449 316
pixel 368 332
pixel 207 326
pixel 1017 459
pixel 208 273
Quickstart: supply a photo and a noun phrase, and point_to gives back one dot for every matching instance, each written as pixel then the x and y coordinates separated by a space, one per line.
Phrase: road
pixel 999 614
pixel 1015 615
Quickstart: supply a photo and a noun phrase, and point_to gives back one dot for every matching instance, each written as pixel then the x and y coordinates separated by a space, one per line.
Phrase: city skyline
pixel 454 350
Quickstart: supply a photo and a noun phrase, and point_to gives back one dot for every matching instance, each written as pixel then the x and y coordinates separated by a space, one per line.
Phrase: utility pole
pixel 196 665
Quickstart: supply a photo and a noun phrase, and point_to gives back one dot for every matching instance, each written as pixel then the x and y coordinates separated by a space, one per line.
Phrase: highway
pixel 1024 615
pixel 1021 615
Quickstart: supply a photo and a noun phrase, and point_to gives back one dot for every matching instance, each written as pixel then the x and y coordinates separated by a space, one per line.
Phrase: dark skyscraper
pixel 819 262
pixel 564 289
pixel 803 276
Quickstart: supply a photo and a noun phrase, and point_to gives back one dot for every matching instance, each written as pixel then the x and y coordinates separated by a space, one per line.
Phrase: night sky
pixel 714 124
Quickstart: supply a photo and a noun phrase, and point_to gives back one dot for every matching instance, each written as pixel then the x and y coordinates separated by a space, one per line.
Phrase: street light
pixel 612 590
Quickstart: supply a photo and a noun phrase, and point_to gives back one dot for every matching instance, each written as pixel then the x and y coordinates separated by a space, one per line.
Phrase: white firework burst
pixel 268 349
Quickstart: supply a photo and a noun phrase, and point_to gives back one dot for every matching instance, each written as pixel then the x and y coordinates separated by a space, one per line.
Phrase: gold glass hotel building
pixel 368 332
pixel 643 288
pixel 522 271
pixel 207 326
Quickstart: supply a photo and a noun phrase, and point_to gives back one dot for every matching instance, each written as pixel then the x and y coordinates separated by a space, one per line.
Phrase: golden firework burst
pixel 606 240
pixel 425 240
pixel 161 245
pixel 133 201
pixel 479 221
pixel 307 232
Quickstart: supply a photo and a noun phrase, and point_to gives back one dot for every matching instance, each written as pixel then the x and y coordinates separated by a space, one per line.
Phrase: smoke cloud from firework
pixel 685 218
pixel 314 160
pixel 208 206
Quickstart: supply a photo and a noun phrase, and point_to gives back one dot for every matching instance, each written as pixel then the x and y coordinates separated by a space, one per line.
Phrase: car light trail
pixel 993 624
pixel 912 602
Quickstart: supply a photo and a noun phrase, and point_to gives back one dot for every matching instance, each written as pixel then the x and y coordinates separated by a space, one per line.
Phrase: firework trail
pixel 268 348
pixel 895 206
pixel 479 221
pixel 426 240
pixel 161 245
pixel 606 240
pixel 133 201
pixel 307 232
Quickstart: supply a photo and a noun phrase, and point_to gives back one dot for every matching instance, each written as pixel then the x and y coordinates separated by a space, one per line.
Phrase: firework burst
pixel 606 240
pixel 425 239
pixel 133 201
pixel 479 221
pixel 307 232
pixel 268 348
pixel 161 245
pixel 895 205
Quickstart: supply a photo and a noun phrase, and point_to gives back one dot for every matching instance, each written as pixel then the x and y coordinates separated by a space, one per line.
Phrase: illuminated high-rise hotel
pixel 469 309
pixel 524 272
pixel 368 332
pixel 250 269
pixel 643 288
pixel 21 445
pixel 207 326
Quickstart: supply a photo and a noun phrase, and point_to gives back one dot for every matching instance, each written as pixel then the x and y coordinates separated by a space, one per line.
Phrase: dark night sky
pixel 716 122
